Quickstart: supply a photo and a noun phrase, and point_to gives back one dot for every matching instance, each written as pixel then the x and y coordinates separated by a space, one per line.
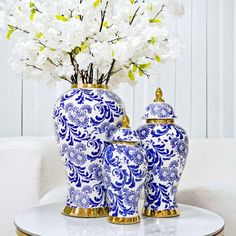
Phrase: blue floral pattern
pixel 167 149
pixel 125 135
pixel 159 111
pixel 84 121
pixel 124 171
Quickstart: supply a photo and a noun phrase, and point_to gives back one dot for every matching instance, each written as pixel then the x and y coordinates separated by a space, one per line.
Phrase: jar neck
pixel 92 86
pixel 160 121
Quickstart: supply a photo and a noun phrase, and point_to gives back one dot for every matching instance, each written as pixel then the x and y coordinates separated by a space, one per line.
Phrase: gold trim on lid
pixel 160 121
pixel 159 96
pixel 125 142
pixel 93 86
pixel 123 220
pixel 125 122
pixel 86 212
pixel 160 213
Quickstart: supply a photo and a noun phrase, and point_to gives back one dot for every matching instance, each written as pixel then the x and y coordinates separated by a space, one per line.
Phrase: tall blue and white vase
pixel 166 145
pixel 85 117
pixel 124 171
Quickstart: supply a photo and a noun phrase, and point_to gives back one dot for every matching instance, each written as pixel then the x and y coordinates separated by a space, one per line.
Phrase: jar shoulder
pixel 89 96
pixel 151 131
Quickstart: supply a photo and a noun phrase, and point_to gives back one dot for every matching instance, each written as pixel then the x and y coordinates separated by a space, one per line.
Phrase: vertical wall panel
pixel 168 71
pixel 220 68
pixel 234 79
pixel 127 95
pixel 213 68
pixel 184 70
pixel 10 94
pixel 227 80
pixel 39 99
pixel 151 85
pixel 139 99
pixel 198 88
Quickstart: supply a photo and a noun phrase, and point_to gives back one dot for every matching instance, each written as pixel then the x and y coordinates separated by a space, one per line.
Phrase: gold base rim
pixel 160 213
pixel 86 212
pixel 21 233
pixel 93 86
pixel 124 220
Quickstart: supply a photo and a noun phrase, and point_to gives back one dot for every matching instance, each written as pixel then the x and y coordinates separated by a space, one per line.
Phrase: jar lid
pixel 125 133
pixel 159 109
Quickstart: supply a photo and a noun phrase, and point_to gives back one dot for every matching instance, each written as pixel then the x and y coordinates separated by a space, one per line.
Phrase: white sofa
pixel 31 173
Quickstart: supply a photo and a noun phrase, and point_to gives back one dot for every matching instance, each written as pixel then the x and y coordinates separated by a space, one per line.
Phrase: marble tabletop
pixel 47 220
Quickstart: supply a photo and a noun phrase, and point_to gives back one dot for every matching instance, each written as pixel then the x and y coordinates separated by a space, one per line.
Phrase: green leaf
pixel 39 35
pixel 132 1
pixel 61 18
pixel 153 41
pixel 113 53
pixel 9 33
pixel 83 47
pixel 105 24
pixel 76 50
pixel 157 58
pixel 96 3
pixel 41 48
pixel 155 21
pixel 32 4
pixel 33 11
pixel 140 72
pixel 19 8
pixel 145 66
pixel 52 49
pixel 135 68
pixel 131 75
pixel 150 7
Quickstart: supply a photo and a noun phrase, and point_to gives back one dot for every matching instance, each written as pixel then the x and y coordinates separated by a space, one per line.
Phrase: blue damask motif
pixel 160 110
pixel 167 148
pixel 124 170
pixel 84 121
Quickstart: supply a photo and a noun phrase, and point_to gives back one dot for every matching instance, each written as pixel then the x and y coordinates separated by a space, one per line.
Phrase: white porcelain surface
pixel 48 221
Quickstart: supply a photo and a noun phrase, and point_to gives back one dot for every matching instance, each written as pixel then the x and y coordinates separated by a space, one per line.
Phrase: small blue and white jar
pixel 166 145
pixel 124 171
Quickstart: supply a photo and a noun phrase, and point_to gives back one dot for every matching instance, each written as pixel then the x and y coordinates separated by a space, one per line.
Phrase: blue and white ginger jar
pixel 85 117
pixel 166 145
pixel 124 171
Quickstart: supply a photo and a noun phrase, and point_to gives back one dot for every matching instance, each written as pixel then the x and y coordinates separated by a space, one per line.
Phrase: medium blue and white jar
pixel 85 117
pixel 166 145
pixel 124 171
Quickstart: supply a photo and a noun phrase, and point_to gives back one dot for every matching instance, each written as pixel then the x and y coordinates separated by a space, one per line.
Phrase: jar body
pixel 84 120
pixel 167 148
pixel 124 171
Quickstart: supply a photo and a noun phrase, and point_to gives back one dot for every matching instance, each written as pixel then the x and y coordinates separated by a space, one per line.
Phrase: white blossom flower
pixel 115 41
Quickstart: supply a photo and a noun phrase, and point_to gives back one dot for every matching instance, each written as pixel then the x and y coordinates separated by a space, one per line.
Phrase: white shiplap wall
pixel 201 85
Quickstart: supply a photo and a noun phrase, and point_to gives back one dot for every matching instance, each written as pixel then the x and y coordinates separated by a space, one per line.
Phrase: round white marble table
pixel 47 220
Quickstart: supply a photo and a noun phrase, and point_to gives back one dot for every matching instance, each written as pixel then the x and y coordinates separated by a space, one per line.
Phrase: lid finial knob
pixel 125 122
pixel 159 96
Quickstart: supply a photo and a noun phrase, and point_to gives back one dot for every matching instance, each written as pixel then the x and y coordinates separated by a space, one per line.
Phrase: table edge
pixel 19 232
